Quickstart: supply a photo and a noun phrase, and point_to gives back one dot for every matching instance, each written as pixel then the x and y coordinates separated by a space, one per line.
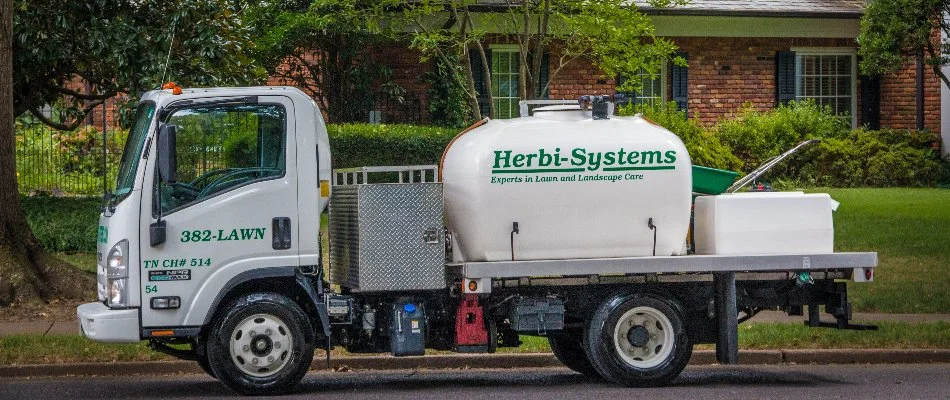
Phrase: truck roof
pixel 164 96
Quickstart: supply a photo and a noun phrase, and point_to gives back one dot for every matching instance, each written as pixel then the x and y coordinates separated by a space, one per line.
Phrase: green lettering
pixel 233 235
pixel 578 157
pixel 632 158
pixel 593 161
pixel 670 157
pixel 502 156
pixel 530 156
pixel 518 160
pixel 544 159
pixel 610 158
pixel 246 234
pixel 259 233
pixel 620 157
pixel 650 157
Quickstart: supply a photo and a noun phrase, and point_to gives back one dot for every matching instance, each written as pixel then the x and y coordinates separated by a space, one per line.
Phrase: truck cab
pixel 249 178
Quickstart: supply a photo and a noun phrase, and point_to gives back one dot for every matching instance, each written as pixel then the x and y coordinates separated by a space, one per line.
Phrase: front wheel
pixel 638 340
pixel 260 344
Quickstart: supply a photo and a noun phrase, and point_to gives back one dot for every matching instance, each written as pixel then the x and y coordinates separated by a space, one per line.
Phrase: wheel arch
pixel 280 280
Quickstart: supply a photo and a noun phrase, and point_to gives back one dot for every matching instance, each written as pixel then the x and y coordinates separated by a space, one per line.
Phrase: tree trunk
pixel 27 273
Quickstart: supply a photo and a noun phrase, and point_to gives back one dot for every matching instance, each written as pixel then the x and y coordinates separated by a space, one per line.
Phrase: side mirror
pixel 167 160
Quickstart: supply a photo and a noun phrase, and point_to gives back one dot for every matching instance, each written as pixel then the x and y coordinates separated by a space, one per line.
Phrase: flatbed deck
pixel 666 264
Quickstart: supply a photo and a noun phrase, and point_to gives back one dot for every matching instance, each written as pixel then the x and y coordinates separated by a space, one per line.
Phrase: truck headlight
pixel 117 275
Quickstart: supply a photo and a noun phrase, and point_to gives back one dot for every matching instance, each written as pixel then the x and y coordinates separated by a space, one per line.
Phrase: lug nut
pixel 253 333
pixel 246 348
pixel 270 359
pixel 254 361
pixel 277 345
pixel 267 332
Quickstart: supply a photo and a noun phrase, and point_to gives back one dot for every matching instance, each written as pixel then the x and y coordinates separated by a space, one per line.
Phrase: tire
pixel 568 347
pixel 201 356
pixel 638 341
pixel 261 344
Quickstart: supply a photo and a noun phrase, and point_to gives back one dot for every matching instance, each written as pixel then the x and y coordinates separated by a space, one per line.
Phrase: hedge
pixel 357 145
pixel 63 224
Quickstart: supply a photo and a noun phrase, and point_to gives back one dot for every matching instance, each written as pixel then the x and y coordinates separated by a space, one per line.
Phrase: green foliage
pixel 63 224
pixel 66 162
pixel 325 47
pixel 447 102
pixel 614 34
pixel 872 158
pixel 121 46
pixel 892 29
pixel 357 145
pixel 704 146
pixel 755 136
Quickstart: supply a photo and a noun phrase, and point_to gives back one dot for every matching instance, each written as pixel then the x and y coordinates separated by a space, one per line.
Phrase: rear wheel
pixel 261 344
pixel 638 341
pixel 568 347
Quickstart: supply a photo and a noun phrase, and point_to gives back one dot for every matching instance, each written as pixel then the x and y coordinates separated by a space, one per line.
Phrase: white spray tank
pixel 562 185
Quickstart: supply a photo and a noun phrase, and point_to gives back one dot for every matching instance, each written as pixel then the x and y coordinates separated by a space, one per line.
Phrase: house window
pixel 504 81
pixel 651 88
pixel 826 78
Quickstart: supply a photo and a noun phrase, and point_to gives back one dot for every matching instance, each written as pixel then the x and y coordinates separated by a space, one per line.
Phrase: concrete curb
pixel 499 361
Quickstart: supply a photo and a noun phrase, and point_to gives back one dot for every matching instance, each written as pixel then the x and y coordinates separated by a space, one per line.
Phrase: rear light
pixel 868 274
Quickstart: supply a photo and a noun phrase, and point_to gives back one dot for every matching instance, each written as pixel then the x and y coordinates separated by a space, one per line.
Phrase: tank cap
pixel 409 308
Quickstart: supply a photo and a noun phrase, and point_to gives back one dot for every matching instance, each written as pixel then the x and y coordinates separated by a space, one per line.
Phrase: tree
pixel 613 34
pixel 52 48
pixel 325 47
pixel 76 54
pixel 891 30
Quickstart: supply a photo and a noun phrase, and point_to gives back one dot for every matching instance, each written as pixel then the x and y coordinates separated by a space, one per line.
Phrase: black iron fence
pixel 68 163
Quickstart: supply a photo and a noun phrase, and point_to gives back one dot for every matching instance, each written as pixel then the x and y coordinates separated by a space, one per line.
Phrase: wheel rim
pixel 643 337
pixel 261 345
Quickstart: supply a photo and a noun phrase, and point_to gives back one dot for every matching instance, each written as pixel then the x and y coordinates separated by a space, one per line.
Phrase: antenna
pixel 169 55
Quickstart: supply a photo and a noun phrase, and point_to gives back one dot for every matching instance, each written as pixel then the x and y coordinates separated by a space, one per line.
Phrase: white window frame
pixel 829 51
pixel 506 48
pixel 662 75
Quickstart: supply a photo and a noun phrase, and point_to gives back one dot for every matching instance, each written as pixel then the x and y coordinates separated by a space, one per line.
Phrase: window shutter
pixel 544 75
pixel 678 80
pixel 784 77
pixel 871 102
pixel 478 77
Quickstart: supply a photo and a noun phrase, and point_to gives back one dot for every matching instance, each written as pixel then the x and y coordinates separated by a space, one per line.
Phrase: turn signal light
pixel 163 333
pixel 472 285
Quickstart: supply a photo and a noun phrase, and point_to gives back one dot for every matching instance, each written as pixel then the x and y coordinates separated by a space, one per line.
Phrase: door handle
pixel 281 233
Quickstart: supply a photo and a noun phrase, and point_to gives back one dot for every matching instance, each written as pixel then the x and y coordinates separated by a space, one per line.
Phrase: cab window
pixel 220 148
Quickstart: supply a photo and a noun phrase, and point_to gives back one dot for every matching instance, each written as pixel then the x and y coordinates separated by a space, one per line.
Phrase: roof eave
pixel 754 13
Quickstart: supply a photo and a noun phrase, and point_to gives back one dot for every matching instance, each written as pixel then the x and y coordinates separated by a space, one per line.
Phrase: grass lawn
pixel 910 230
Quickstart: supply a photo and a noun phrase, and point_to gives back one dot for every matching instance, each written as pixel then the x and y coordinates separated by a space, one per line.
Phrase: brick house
pixel 756 52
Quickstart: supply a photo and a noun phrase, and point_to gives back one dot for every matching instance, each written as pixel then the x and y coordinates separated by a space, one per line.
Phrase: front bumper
pixel 103 324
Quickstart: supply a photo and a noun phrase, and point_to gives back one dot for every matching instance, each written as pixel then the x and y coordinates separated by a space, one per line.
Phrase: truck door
pixel 236 181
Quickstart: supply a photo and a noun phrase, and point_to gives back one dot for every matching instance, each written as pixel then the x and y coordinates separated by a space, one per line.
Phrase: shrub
pixel 704 147
pixel 873 158
pixel 63 224
pixel 755 136
pixel 357 145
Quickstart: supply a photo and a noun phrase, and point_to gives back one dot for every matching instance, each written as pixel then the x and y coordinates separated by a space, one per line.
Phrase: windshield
pixel 133 150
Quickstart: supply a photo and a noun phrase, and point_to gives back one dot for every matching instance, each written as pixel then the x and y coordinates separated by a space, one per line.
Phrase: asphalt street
pixel 908 381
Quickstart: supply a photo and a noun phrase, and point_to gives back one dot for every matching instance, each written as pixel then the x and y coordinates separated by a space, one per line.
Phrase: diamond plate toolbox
pixel 387 237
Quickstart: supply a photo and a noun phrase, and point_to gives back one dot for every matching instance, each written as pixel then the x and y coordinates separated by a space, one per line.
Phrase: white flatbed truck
pixel 212 240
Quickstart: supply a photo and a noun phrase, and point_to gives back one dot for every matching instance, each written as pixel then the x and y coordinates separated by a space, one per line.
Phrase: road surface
pixel 907 381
